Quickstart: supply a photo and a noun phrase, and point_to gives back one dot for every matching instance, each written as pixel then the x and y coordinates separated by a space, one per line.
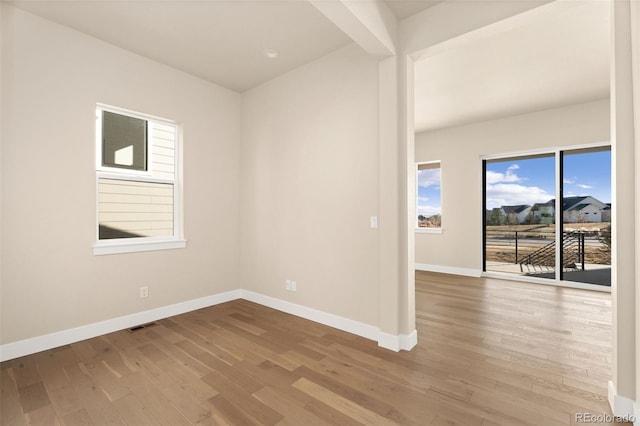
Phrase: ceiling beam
pixel 370 24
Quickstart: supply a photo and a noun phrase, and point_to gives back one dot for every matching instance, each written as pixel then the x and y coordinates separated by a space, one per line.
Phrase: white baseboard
pixel 53 340
pixel 467 272
pixel 354 327
pixel 623 407
pixel 409 341
pixel 404 342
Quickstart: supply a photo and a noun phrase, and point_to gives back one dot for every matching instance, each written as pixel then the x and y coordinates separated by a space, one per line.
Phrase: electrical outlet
pixel 287 285
pixel 144 292
pixel 294 286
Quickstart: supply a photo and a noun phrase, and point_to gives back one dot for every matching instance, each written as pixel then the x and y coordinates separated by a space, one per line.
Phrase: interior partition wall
pixel 547 216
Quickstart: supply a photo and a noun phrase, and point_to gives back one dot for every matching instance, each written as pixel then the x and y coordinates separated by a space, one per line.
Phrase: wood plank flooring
pixel 490 352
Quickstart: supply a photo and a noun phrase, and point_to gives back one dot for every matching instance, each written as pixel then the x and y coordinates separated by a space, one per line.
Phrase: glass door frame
pixel 558 154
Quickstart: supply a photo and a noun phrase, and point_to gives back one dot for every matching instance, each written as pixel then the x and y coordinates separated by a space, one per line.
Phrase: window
pixel 528 233
pixel 429 198
pixel 124 141
pixel 136 181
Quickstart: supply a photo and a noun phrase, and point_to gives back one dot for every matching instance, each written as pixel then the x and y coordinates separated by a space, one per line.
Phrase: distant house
pixel 516 214
pixel 583 209
pixel 582 212
pixel 544 212
pixel 574 210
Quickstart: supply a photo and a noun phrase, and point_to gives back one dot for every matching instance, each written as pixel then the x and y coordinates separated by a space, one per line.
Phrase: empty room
pixel 317 212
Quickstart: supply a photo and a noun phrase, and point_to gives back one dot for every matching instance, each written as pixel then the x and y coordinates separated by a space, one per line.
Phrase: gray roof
pixel 579 206
pixel 515 209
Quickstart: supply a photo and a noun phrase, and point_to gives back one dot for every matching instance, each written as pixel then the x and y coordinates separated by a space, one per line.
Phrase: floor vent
pixel 141 327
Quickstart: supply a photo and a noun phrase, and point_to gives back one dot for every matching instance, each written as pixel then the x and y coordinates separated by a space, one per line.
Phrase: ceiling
pixel 405 8
pixel 221 41
pixel 553 60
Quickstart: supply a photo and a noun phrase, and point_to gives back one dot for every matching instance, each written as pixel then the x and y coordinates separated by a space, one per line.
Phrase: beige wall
pixel 460 150
pixel 52 78
pixel 443 23
pixel 624 275
pixel 309 170
pixel 310 177
pixel 635 37
pixel 310 185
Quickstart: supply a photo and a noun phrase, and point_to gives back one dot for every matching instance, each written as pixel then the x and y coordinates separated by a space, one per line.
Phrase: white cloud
pixel 569 181
pixel 506 189
pixel 428 210
pixel 583 186
pixel 428 177
pixel 509 194
pixel 509 176
pixel 425 209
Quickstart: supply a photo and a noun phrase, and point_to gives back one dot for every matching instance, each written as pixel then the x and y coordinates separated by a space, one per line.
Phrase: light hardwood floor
pixel 490 352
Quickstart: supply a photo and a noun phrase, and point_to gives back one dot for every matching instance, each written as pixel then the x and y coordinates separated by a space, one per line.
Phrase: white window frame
pixel 418 229
pixel 138 244
pixel 555 152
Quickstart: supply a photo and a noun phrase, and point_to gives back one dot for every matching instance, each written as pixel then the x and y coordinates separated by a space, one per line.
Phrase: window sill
pixel 115 247
pixel 428 230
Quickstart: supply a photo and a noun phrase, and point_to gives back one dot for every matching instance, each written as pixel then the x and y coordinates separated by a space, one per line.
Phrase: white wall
pixel 310 184
pixel 460 150
pixel 52 78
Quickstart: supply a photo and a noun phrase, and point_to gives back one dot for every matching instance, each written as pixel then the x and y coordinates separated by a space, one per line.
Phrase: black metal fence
pixel 517 242
pixel 537 249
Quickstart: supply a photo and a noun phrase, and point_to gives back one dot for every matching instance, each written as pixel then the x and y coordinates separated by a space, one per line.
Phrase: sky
pixel 528 181
pixel 429 200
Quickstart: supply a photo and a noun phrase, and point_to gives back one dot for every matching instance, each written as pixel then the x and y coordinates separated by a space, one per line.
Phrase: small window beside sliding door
pixel 429 196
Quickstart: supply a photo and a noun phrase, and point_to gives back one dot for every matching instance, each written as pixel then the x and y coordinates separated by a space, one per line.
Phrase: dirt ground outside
pixel 501 241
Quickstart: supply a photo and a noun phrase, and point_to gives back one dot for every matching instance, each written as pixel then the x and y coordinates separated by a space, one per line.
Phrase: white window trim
pixel 419 230
pixel 133 245
pixel 429 230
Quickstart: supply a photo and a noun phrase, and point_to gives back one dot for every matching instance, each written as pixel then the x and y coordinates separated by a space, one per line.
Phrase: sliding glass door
pixel 519 220
pixel 528 233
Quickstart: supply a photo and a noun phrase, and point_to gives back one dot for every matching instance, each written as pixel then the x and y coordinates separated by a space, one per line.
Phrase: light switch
pixel 373 222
